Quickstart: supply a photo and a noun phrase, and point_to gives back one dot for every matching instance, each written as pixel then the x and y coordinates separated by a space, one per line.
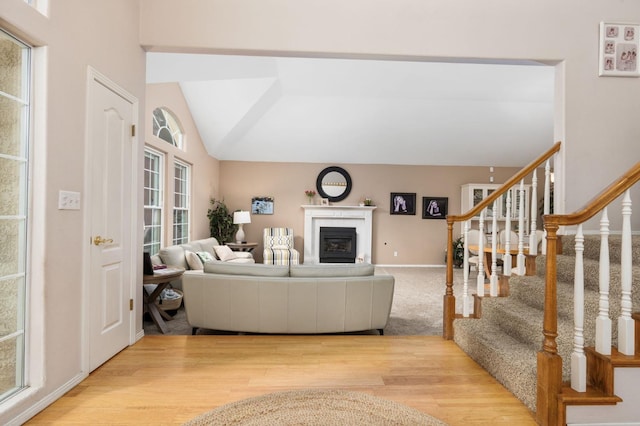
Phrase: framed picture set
pixel 262 205
pixel 403 203
pixel 619 44
pixel 434 207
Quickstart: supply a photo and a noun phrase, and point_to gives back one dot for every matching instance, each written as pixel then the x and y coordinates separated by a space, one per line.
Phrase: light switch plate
pixel 68 200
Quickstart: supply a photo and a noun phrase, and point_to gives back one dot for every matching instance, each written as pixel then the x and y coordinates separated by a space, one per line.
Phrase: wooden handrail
pixel 598 202
pixel 508 184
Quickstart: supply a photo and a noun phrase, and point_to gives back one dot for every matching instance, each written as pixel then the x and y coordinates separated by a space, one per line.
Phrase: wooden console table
pixel 161 277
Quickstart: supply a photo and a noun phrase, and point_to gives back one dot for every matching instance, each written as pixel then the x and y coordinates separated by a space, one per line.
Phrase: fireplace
pixel 337 245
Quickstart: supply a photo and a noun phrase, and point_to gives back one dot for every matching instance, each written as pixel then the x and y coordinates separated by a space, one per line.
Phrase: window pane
pixel 11 124
pixel 11 246
pixel 11 183
pixel 14 62
pixel 11 305
pixel 11 370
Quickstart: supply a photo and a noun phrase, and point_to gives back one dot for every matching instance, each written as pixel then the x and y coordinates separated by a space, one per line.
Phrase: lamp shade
pixel 241 217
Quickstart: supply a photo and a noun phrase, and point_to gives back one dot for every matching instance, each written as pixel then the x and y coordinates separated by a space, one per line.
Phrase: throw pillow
pixel 205 256
pixel 224 253
pixel 280 247
pixel 193 260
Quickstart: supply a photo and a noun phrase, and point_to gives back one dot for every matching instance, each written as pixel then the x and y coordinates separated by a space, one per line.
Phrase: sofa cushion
pixel 332 270
pixel 193 260
pixel 206 244
pixel 205 256
pixel 174 256
pixel 249 269
pixel 224 253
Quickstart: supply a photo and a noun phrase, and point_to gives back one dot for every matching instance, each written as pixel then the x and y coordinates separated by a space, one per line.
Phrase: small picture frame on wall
pixel 434 207
pixel 403 203
pixel 619 45
pixel 262 205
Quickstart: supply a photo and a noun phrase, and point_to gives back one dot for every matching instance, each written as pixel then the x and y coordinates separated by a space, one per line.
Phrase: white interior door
pixel 111 117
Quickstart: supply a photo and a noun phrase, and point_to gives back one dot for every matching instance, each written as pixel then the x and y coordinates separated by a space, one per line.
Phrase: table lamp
pixel 240 218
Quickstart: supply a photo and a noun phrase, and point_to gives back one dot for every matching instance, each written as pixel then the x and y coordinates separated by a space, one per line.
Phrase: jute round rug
pixel 314 407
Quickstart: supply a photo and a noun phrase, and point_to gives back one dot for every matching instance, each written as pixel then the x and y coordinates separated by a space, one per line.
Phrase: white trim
pixel 42 403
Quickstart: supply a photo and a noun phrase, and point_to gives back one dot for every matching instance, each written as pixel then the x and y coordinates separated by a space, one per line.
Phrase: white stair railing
pixel 578 358
pixel 603 322
pixel 466 297
pixel 533 237
pixel 506 262
pixel 480 278
pixel 493 280
pixel 625 322
pixel 521 207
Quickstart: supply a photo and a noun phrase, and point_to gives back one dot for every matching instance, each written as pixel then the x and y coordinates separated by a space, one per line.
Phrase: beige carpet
pixel 314 407
pixel 416 309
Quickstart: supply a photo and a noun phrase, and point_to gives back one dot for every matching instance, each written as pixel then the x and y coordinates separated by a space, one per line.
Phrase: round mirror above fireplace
pixel 333 183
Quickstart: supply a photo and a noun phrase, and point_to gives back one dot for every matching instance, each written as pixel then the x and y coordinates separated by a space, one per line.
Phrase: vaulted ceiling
pixel 257 108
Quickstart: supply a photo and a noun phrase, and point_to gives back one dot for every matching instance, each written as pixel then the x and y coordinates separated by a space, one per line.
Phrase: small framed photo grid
pixel 619 45
pixel 434 207
pixel 403 203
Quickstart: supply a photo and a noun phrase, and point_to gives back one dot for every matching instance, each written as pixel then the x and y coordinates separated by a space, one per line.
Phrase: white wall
pixel 596 117
pixel 77 34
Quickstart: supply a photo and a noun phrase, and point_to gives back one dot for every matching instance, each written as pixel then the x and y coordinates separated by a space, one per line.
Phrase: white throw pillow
pixel 224 253
pixel 193 260
pixel 280 247
pixel 205 256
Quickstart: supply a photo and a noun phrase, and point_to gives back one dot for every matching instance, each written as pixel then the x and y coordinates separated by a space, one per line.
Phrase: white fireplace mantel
pixel 359 217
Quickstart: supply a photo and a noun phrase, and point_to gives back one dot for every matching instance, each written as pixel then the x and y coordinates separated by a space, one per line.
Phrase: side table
pixel 242 246
pixel 161 277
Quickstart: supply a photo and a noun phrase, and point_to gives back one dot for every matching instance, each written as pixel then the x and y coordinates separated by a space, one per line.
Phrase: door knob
pixel 99 240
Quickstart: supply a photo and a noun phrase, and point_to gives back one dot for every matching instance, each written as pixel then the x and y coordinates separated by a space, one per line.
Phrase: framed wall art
pixel 403 203
pixel 434 207
pixel 262 205
pixel 619 44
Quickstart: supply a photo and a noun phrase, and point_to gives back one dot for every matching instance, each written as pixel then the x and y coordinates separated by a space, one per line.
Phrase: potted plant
pixel 221 225
pixel 458 252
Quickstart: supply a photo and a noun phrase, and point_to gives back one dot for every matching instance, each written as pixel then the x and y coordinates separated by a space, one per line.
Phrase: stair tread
pixel 591 396
pixel 511 362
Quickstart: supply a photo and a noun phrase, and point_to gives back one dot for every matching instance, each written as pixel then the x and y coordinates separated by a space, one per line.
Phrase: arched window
pixel 167 127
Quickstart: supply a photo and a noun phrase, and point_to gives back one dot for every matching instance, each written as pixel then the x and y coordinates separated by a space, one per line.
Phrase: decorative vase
pixel 310 200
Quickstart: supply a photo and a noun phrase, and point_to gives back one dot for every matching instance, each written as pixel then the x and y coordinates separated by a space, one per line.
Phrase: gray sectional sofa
pixel 178 256
pixel 295 299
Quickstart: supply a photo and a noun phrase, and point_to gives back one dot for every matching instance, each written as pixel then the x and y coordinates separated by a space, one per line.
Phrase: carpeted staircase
pixel 506 339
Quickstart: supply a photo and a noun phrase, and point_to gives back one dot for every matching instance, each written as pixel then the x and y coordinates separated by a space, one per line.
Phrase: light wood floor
pixel 167 380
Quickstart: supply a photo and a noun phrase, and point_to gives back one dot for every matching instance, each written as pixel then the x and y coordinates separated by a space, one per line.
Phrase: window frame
pixel 22 160
pixel 181 202
pixel 158 206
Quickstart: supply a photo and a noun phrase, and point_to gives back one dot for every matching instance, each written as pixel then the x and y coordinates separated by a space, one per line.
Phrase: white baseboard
pixel 44 402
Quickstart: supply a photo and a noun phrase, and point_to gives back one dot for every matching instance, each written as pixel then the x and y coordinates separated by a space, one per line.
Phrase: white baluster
pixel 546 202
pixel 625 322
pixel 603 322
pixel 506 262
pixel 480 280
pixel 521 207
pixel 493 281
pixel 578 358
pixel 466 298
pixel 533 238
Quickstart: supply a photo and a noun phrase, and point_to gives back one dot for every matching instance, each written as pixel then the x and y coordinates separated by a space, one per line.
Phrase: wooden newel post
pixel 449 302
pixel 549 362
